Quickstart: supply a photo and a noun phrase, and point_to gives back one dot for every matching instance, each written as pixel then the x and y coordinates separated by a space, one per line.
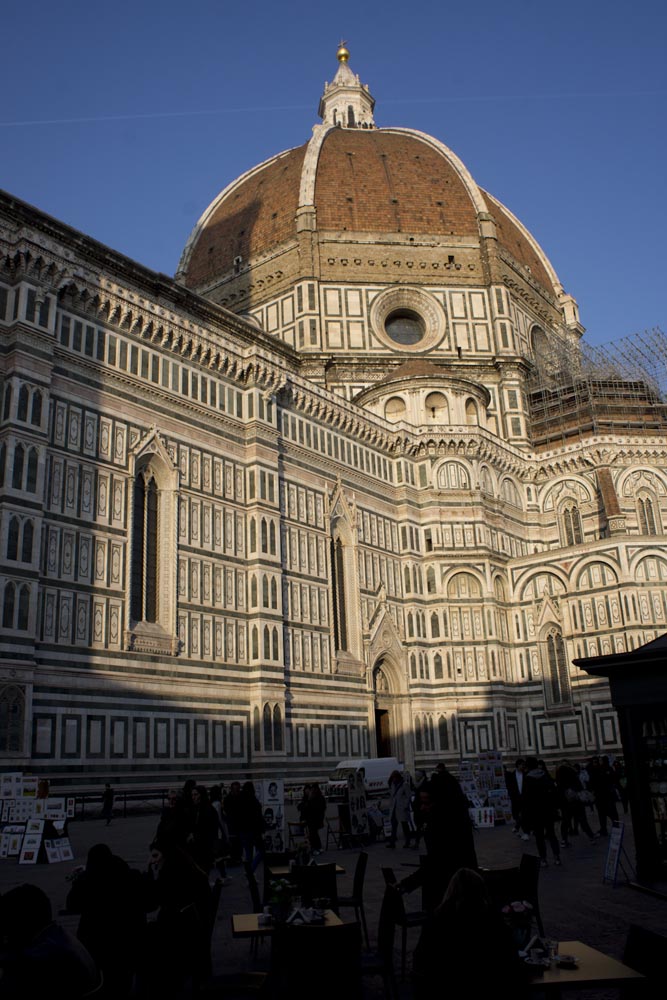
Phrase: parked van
pixel 376 775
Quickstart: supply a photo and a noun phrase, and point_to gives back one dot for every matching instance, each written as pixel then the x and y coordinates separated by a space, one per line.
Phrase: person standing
pixel 399 811
pixel 313 810
pixel 107 803
pixel 514 782
pixel 540 807
pixel 448 834
pixel 250 825
pixel 602 787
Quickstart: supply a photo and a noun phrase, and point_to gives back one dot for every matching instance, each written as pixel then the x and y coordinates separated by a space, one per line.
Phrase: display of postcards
pixel 35 826
pixel 8 784
pixel 29 788
pixel 55 808
pixel 466 768
pixel 4 845
pixel 39 807
pixel 71 807
pixel 483 818
pixel 14 846
pixel 6 810
pixel 477 801
pixel 22 810
pixel 66 852
pixel 53 855
pixel 30 849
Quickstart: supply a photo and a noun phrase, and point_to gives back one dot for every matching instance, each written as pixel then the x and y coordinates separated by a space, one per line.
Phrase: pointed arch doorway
pixel 385 745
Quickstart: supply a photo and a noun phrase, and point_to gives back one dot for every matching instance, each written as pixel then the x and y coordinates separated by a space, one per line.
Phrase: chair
pixel 529 876
pixel 316 882
pixel 333 833
pixel 402 918
pixel 296 835
pixel 311 960
pixel 380 962
pixel 645 952
pixel 356 899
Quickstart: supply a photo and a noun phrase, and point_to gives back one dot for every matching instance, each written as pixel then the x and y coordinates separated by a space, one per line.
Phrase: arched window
pixel 274 593
pixel 267 643
pixel 7 405
pixel 26 544
pixel 413 666
pixel 443 735
pixel 419 746
pixel 253 535
pixel 437 664
pixel 430 580
pixel 12 719
pixel 411 625
pixel 277 728
pixel 435 626
pixel 472 415
pixel 427 735
pixel 339 596
pixel 406 574
pixel 17 473
pixel 272 538
pixel 274 644
pixel 31 479
pixel 8 602
pixel 571 521
pixel 13 539
pixel 22 406
pixel 437 408
pixel 264 536
pixel 36 410
pixel 3 458
pixel 265 592
pixel 253 591
pixel 268 728
pixel 144 580
pixel 646 516
pixel 557 677
pixel 24 608
pixel 256 730
pixel 254 645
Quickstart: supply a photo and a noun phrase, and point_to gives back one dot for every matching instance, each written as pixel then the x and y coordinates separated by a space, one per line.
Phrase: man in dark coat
pixel 448 834
pixel 540 808
pixel 514 781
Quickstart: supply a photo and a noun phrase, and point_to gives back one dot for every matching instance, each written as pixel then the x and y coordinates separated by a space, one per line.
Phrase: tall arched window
pixel 339 596
pixel 277 728
pixel 8 602
pixel 145 594
pixel 571 520
pixel 443 734
pixel 3 458
pixel 13 539
pixel 435 625
pixel 557 676
pixel 26 544
pixel 31 478
pixel 274 644
pixel 430 580
pixel 17 473
pixel 22 405
pixel 646 516
pixel 267 643
pixel 437 665
pixel 24 608
pixel 253 591
pixel 254 643
pixel 256 730
pixel 268 728
pixel 419 746
pixel 253 535
pixel 7 404
pixel 36 410
pixel 274 593
pixel 265 592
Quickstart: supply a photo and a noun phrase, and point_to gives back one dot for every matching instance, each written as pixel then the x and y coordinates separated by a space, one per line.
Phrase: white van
pixel 376 775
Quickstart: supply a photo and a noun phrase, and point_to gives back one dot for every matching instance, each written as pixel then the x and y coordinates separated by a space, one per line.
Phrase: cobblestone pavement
pixel 575 902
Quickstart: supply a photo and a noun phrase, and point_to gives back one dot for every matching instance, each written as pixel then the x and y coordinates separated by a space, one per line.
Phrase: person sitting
pixel 39 957
pixel 466 944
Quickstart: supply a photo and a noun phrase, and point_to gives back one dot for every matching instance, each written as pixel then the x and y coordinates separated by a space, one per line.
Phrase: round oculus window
pixel 405 326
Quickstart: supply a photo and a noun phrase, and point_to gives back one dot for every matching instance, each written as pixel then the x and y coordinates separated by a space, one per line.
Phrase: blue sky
pixel 125 120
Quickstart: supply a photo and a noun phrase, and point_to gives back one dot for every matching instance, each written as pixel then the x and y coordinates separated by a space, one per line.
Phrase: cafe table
pixel 593 970
pixel 284 871
pixel 247 925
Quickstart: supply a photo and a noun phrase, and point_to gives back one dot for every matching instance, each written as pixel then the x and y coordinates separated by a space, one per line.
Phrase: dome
pixel 377 207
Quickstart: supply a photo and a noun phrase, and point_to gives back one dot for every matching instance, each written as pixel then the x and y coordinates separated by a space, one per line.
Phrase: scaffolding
pixel 576 390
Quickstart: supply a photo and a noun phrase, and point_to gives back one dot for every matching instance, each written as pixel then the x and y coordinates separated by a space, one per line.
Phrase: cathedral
pixel 350 484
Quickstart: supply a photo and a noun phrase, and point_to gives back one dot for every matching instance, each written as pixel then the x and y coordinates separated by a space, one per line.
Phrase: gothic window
pixel 12 718
pixel 22 405
pixel 571 524
pixel 274 594
pixel 437 407
pixel 7 402
pixel 3 456
pixel 254 646
pixel 411 627
pixel 13 539
pixel 419 746
pixel 24 608
pixel 272 538
pixel 472 416
pixel 648 523
pixel 253 591
pixel 437 664
pixel 264 536
pixel 145 554
pixel 26 544
pixel 435 626
pixel 31 478
pixel 36 410
pixel 430 580
pixel 413 666
pixel 265 592
pixel 340 610
pixel 274 644
pixel 17 474
pixel 256 730
pixel 443 735
pixel 267 643
pixel 253 535
pixel 277 728
pixel 556 674
pixel 268 728
pixel 9 600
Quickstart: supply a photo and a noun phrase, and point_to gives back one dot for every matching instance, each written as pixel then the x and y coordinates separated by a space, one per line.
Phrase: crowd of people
pixel 555 807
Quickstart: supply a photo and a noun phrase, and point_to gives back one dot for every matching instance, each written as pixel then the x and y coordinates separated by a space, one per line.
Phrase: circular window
pixel 405 326
pixel 408 319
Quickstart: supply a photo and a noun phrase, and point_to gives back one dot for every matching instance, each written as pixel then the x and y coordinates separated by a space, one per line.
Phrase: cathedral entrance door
pixel 382 737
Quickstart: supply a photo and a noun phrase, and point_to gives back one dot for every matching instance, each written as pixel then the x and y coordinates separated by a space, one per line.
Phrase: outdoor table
pixel 284 871
pixel 594 969
pixel 248 925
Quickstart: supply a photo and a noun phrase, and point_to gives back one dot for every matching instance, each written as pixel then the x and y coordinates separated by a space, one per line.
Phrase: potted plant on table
pixel 280 899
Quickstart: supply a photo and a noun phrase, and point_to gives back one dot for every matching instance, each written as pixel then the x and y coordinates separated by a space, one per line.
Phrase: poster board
pixel 272 794
pixel 614 850
pixel 356 797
